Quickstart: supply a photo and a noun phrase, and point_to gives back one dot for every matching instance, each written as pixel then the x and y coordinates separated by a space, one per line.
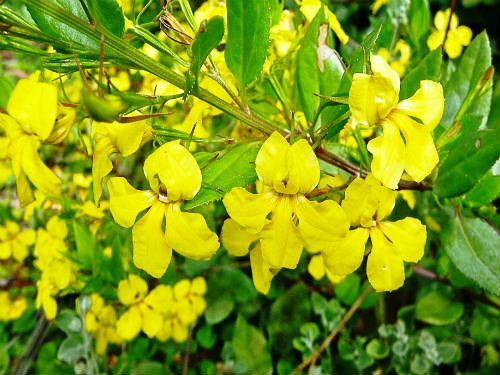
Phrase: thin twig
pixel 434 276
pixel 32 347
pixel 185 367
pixel 356 171
pixel 453 4
pixel 314 357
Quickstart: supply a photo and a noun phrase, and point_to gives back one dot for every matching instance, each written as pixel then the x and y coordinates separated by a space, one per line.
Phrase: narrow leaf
pixel 109 14
pixel 248 24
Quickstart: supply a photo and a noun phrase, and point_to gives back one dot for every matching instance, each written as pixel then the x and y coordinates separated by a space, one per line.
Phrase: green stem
pixel 365 158
pixel 118 47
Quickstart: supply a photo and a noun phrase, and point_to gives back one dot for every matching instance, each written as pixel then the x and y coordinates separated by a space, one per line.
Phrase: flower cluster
pixel 100 320
pixel 11 308
pixel 15 241
pixel 57 271
pixel 165 312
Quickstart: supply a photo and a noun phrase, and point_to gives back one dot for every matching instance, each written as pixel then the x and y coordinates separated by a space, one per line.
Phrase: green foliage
pixel 472 245
pixel 107 13
pixel 248 24
pixel 429 68
pixel 438 308
pixel 208 37
pixel 234 168
pixel 319 68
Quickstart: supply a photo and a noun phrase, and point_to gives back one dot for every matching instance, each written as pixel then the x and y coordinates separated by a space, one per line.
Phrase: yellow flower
pixel 284 33
pixel 368 203
pixel 458 36
pixel 397 62
pixel 286 172
pixel 317 269
pixel 100 320
pixel 373 100
pixel 310 8
pixel 11 309
pixel 174 176
pixel 111 138
pixel 34 118
pixel 14 242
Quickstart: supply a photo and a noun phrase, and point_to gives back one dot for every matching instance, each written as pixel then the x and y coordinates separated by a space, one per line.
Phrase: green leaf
pixel 50 26
pixel 209 36
pixel 472 246
pixel 219 309
pixel 429 68
pixel 235 168
pixel 463 82
pixel 449 352
pixel 250 350
pixel 4 361
pixel 84 244
pixel 469 158
pixel 347 291
pixel 109 14
pixel 71 349
pixel 377 349
pixel 295 306
pixel 6 88
pixel 206 336
pixel 437 308
pixel 69 322
pixel 484 328
pixel 319 68
pixel 419 17
pixel 485 191
pixel 248 25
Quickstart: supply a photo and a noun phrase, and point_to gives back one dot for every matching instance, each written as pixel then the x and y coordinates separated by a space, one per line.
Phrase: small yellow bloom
pixel 458 36
pixel 317 270
pixel 310 8
pixel 14 241
pixel 373 100
pixel 34 118
pixel 111 138
pixel 100 320
pixel 57 270
pixel 174 176
pixel 284 33
pixel 11 309
pixel 400 57
pixel 286 172
pixel 368 203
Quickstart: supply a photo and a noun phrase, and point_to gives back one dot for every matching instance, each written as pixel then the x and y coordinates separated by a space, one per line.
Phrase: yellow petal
pixel 421 155
pixel 49 307
pixel 101 165
pixel 385 267
pixel 176 169
pixel 247 209
pixel 160 298
pixel 262 274
pixel 34 105
pixel 303 169
pixel 453 46
pixel 371 98
pixel 427 104
pixel 152 253
pixel 345 256
pixel 236 239
pixel 316 267
pixel 125 202
pixel 130 323
pixel 463 34
pixel 309 8
pixel 189 235
pixel 380 68
pixel 408 236
pixel 271 163
pixel 435 40
pixel 441 19
pixel 280 240
pixel 388 152
pixel 126 137
pixel 151 320
pixel 320 223
pixel 132 290
pixel 337 28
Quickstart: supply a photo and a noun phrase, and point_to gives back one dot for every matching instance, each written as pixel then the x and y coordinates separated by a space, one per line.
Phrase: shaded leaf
pixel 438 309
pixel 109 14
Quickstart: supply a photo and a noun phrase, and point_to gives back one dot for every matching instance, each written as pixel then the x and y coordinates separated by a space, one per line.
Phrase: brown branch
pixel 453 4
pixel 314 357
pixel 428 274
pixel 356 171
